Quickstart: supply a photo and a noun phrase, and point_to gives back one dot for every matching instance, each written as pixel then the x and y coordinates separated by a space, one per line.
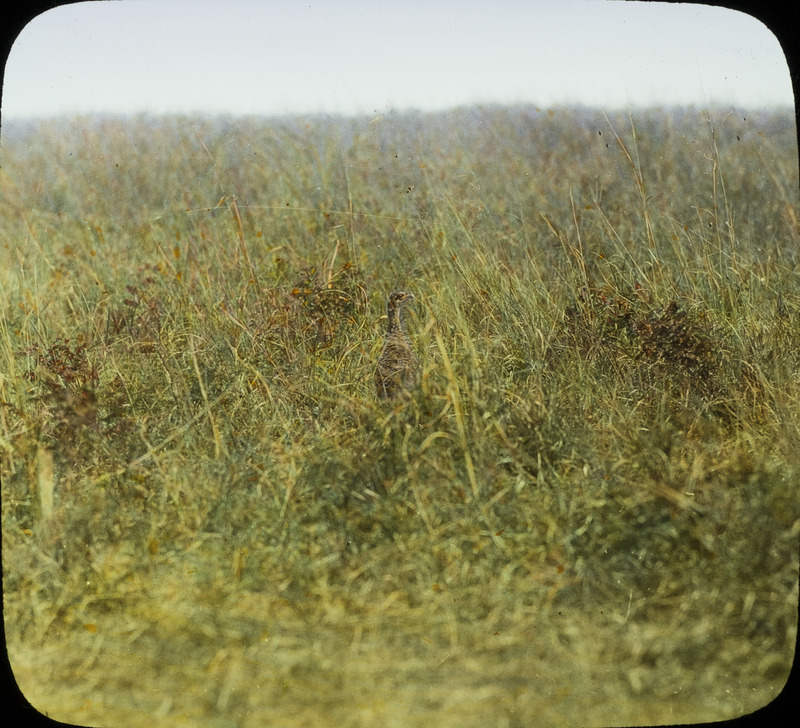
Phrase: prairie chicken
pixel 398 367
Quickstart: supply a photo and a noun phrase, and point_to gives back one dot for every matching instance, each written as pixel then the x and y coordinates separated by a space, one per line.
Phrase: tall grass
pixel 599 462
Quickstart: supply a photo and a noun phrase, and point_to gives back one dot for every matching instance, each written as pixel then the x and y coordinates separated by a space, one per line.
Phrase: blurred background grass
pixel 586 511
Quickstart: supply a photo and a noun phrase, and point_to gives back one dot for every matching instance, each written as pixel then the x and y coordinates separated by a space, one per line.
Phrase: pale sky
pixel 362 56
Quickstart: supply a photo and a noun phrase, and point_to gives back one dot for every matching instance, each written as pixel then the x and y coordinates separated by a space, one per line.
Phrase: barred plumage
pixel 398 367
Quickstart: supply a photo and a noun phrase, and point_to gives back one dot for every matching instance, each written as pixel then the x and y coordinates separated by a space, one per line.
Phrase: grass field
pixel 585 514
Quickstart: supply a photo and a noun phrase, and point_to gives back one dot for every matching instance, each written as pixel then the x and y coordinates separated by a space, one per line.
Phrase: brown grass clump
pixel 674 341
pixel 664 345
pixel 329 302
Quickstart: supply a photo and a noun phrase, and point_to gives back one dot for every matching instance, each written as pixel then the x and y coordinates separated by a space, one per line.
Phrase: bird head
pixel 400 298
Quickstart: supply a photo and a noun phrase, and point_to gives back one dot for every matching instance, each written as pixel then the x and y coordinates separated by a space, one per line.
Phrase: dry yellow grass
pixel 585 513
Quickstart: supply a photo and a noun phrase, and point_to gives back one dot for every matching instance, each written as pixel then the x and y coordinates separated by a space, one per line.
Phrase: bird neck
pixel 395 324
